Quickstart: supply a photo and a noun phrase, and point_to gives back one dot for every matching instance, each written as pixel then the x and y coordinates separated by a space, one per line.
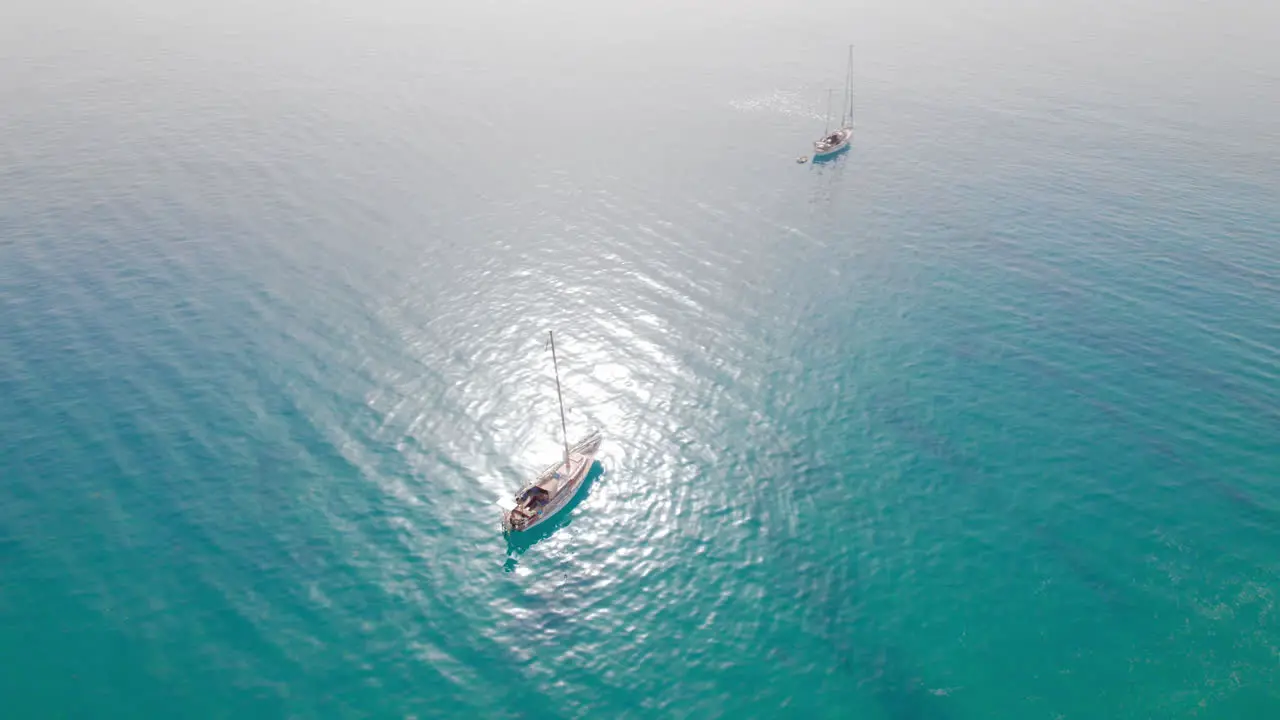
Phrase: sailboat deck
pixel 556 478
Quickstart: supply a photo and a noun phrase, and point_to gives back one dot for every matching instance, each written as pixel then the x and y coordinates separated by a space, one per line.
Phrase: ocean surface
pixel 979 420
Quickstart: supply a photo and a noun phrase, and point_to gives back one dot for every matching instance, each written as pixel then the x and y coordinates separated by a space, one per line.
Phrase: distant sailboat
pixel 838 141
pixel 553 488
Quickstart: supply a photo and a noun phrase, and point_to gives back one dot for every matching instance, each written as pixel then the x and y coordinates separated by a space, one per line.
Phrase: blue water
pixel 978 420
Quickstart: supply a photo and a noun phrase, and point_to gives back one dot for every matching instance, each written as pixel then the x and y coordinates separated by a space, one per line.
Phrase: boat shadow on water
pixel 518 542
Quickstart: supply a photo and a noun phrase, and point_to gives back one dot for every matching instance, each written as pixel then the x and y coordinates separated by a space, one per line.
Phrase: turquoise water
pixel 979 420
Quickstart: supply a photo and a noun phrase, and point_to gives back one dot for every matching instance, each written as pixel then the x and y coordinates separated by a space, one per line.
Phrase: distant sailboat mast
pixel 551 338
pixel 848 93
pixel 827 125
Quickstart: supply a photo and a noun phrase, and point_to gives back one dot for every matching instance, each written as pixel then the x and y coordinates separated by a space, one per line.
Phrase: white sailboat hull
pixel 581 458
pixel 832 144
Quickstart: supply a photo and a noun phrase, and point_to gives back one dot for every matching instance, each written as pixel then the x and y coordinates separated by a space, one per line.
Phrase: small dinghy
pixel 553 488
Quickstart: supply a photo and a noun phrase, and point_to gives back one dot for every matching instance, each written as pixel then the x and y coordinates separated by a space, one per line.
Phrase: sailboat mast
pixel 848 92
pixel 563 427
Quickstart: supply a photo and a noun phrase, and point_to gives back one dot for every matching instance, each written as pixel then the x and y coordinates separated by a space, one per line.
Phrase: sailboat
pixel 552 489
pixel 838 141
